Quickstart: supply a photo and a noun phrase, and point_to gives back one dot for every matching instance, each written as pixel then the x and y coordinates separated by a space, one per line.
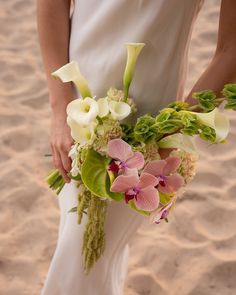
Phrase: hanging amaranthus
pixel 94 233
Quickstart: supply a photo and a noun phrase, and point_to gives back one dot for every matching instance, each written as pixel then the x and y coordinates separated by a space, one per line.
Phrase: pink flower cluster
pixel 143 188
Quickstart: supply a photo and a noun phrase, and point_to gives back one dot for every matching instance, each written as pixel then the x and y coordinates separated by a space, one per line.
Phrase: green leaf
pixel 95 177
pixel 165 198
pixel 72 210
pixel 77 177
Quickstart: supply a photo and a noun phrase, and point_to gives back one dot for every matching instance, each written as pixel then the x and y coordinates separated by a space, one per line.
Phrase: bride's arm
pixel 222 68
pixel 53 18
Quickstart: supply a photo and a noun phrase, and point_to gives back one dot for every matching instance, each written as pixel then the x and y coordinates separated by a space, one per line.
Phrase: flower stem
pixel 55 181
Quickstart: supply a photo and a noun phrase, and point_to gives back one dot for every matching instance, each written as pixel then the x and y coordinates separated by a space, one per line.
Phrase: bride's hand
pixel 61 142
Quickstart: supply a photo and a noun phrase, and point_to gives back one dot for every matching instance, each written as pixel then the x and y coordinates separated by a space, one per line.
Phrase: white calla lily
pixel 82 134
pixel 119 109
pixel 179 141
pixel 71 73
pixel 103 107
pixel 133 51
pixel 83 111
pixel 216 120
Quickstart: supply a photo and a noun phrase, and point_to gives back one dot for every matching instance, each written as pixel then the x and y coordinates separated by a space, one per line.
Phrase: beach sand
pixel 194 254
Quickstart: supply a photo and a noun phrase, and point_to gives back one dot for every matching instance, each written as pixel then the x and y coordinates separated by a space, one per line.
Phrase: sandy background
pixel 194 254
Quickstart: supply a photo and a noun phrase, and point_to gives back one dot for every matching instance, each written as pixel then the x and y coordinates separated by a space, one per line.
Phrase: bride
pixel 93 33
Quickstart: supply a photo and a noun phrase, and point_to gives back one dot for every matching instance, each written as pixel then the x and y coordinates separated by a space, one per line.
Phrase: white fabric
pixel 99 31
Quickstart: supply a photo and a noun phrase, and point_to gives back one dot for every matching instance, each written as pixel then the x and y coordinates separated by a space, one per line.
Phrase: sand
pixel 194 254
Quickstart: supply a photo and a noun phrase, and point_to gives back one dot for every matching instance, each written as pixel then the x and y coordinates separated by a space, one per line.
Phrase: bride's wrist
pixel 60 94
pixel 59 105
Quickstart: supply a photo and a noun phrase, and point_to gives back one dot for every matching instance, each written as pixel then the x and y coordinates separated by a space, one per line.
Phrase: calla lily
pixel 133 50
pixel 82 134
pixel 71 73
pixel 83 111
pixel 179 141
pixel 119 109
pixel 141 190
pixel 103 107
pixel 216 120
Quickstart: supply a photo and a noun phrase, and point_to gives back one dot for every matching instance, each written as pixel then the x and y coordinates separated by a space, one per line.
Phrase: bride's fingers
pixel 64 151
pixel 54 157
pixel 58 164
pixel 66 161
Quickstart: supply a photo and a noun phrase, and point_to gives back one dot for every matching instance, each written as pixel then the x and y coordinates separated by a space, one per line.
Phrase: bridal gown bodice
pixel 99 29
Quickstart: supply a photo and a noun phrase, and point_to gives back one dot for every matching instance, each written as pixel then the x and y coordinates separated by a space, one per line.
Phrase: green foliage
pixel 168 122
pixel 168 127
pixel 165 114
pixel 145 129
pixel 94 233
pixel 206 99
pixel 207 133
pixel 95 176
pixel 190 122
pixel 77 177
pixel 229 92
pixel 128 133
pixel 84 198
pixel 178 105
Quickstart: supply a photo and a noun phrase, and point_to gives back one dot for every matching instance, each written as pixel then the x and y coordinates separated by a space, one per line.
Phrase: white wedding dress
pixel 98 33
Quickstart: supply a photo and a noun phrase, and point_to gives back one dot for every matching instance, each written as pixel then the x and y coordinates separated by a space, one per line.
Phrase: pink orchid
pixel 165 171
pixel 140 189
pixel 124 159
pixel 161 213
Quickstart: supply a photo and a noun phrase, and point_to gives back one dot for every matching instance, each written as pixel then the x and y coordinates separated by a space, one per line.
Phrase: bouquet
pixel 145 165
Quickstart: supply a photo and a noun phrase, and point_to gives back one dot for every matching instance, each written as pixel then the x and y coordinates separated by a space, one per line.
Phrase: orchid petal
pixel 155 216
pixel 179 141
pixel 172 184
pixel 216 120
pixel 81 134
pixel 133 51
pixel 147 199
pixel 119 109
pixel 155 167
pixel 71 73
pixel 136 161
pixel 82 111
pixel 147 179
pixel 119 149
pixel 123 183
pixel 172 164
pixel 130 171
pixel 103 107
